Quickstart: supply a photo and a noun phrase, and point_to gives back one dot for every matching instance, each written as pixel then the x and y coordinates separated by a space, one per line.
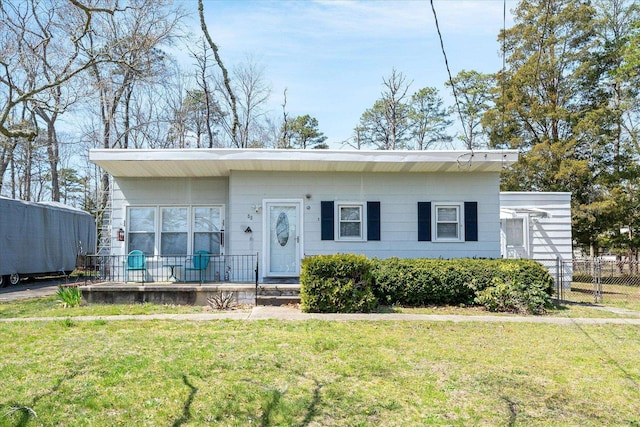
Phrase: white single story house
pixel 283 205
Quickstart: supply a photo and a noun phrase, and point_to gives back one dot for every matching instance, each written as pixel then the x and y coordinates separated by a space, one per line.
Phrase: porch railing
pixel 199 268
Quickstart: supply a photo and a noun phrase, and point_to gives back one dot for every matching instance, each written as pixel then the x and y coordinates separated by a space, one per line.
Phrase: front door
pixel 283 240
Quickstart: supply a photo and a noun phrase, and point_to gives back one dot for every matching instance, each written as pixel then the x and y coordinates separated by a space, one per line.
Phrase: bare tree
pixel 32 33
pixel 225 75
pixel 386 124
pixel 133 40
pixel 41 58
pixel 253 94
pixel 396 112
pixel 202 105
pixel 283 140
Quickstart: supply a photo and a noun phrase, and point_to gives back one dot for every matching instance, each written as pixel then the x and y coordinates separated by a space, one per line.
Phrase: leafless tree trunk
pixel 225 75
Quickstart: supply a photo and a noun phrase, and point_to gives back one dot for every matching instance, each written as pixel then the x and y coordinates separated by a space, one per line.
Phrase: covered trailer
pixel 42 238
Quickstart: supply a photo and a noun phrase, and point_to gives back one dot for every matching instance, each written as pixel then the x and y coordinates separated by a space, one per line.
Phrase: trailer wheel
pixel 4 281
pixel 14 279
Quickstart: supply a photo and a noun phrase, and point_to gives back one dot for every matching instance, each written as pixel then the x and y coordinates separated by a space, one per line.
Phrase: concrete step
pixel 278 300
pixel 279 290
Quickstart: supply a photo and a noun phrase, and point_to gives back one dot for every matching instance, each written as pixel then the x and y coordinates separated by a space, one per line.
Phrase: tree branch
pixel 225 74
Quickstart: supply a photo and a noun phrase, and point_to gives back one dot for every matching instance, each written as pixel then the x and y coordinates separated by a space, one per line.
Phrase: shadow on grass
pixel 312 410
pixel 513 410
pixel 386 309
pixel 276 397
pixel 607 354
pixel 186 409
pixel 26 411
pixel 562 305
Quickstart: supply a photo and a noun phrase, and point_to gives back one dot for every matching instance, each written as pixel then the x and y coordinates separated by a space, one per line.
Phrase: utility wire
pixel 504 65
pixel 446 63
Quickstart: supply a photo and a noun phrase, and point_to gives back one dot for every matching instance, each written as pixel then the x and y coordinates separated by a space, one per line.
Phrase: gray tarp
pixel 43 237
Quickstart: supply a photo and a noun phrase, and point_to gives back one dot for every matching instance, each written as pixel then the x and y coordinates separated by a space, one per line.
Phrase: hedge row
pixel 346 283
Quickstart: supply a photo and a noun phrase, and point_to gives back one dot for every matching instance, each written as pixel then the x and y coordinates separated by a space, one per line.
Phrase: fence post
pixel 559 287
pixel 597 281
pixel 558 279
pixel 257 274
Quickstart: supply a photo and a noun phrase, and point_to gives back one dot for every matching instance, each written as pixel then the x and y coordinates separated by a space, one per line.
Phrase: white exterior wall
pixel 398 194
pixel 162 192
pixel 549 237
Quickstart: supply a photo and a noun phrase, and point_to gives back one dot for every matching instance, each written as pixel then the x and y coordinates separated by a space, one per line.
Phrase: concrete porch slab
pixel 179 293
pixel 164 293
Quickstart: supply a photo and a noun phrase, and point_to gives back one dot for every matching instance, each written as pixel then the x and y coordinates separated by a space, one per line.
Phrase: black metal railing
pixel 197 268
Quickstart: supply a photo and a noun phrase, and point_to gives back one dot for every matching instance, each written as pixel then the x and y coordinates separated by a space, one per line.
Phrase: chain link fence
pixel 594 280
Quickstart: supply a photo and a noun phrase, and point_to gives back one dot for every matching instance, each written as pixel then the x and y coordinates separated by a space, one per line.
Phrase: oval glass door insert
pixel 282 229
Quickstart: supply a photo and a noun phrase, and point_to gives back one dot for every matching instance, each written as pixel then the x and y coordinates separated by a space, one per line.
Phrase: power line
pixel 446 63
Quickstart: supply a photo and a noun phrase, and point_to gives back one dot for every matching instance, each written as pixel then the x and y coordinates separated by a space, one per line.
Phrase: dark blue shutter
pixel 424 221
pixel 373 220
pixel 326 220
pixel 471 221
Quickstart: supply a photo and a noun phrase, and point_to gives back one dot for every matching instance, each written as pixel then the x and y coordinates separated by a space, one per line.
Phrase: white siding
pixel 550 236
pixel 398 194
pixel 162 192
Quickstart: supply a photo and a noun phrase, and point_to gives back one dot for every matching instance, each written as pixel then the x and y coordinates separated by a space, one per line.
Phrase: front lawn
pixel 238 373
pixel 50 306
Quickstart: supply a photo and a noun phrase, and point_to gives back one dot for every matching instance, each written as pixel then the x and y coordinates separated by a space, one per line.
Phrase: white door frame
pixel 266 240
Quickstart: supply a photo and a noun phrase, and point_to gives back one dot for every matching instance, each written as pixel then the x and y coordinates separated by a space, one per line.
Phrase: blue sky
pixel 332 55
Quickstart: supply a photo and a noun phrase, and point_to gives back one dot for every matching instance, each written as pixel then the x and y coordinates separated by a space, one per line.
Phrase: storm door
pixel 283 240
pixel 516 237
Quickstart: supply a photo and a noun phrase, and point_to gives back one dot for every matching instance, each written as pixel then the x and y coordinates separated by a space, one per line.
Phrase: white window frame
pixel 158 226
pixel 363 221
pixel 192 224
pixel 160 213
pixel 459 221
pixel 155 225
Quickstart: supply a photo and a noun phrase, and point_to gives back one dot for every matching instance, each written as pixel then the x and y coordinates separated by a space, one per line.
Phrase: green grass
pixel 51 307
pixel 560 310
pixel 612 295
pixel 237 373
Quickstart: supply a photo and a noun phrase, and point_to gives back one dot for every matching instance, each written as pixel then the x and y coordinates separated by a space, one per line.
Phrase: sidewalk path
pixel 294 314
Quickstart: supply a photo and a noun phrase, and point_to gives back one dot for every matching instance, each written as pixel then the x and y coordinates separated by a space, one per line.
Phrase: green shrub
pixel 337 284
pixel 422 282
pixel 416 282
pixel 515 296
pixel 352 283
pixel 528 271
pixel 69 296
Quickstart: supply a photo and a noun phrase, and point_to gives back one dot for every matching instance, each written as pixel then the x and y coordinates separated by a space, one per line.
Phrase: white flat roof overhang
pixel 220 162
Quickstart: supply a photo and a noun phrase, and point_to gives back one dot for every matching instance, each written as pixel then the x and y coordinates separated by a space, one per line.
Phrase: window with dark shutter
pixel 373 220
pixel 424 221
pixel 471 221
pixel 326 220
